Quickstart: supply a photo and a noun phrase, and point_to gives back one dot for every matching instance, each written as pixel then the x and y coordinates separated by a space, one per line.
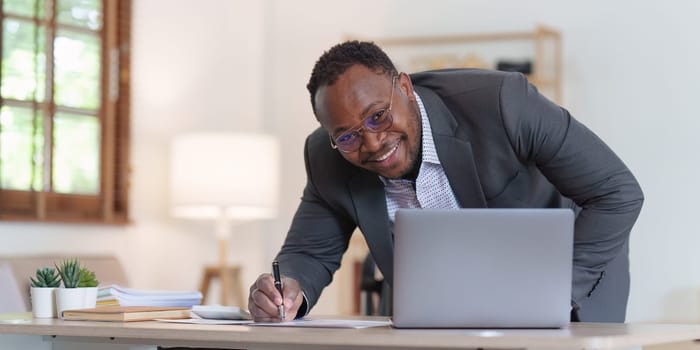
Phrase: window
pixel 64 116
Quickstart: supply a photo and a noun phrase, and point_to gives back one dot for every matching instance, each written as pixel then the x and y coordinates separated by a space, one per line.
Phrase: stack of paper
pixel 114 295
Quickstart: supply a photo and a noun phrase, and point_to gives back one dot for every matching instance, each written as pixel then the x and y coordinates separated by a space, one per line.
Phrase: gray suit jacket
pixel 502 145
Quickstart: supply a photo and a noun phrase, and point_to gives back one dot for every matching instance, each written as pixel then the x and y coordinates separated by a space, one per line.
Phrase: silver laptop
pixel 482 268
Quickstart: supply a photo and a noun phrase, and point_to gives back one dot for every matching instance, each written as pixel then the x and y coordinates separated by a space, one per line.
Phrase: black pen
pixel 278 285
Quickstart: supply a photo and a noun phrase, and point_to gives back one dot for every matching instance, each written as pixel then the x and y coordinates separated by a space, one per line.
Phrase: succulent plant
pixel 45 278
pixel 87 278
pixel 70 273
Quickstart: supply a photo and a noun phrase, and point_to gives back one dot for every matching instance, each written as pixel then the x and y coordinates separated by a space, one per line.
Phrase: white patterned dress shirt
pixel 431 190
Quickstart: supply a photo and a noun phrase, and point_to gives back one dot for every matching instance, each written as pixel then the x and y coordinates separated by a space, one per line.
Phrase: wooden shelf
pixel 544 43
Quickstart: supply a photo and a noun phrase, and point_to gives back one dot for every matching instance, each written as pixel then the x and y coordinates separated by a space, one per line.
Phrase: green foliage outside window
pixel 76 89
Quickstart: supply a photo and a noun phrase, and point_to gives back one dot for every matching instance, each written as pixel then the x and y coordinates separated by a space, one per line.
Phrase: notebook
pixel 482 268
pixel 126 313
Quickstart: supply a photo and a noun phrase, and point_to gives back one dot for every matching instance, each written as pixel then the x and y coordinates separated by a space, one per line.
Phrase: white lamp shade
pixel 224 173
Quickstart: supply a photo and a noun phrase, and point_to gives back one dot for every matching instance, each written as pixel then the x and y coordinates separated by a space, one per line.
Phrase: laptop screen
pixel 482 268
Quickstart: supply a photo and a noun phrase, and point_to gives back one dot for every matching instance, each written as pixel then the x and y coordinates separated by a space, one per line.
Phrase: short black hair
pixel 340 57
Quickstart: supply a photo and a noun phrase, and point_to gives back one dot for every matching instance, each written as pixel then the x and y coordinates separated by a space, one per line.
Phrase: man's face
pixel 351 103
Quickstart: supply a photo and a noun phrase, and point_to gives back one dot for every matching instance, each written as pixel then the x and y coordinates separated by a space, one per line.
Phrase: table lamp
pixel 227 178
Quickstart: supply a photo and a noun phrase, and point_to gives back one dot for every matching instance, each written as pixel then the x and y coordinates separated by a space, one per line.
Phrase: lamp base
pixel 230 279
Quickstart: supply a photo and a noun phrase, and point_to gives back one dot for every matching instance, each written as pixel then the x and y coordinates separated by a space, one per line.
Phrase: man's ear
pixel 406 86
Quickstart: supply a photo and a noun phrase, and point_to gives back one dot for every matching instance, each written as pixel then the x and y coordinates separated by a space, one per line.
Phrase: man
pixel 446 139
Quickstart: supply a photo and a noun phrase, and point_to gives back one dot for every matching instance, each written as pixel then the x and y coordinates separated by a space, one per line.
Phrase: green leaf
pixel 70 273
pixel 87 278
pixel 35 283
pixel 45 278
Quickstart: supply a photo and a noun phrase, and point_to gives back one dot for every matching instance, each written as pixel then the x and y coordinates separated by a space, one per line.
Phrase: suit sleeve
pixel 316 240
pixel 583 168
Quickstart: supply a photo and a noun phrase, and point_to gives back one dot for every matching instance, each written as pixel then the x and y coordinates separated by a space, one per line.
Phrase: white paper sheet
pixel 218 312
pixel 205 321
pixel 325 323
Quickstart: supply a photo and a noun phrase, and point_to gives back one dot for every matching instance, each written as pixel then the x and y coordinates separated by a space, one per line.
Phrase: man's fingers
pixel 260 315
pixel 263 302
pixel 264 299
pixel 266 284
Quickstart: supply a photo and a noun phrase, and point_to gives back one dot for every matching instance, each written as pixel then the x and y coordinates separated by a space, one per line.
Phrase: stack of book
pixel 114 295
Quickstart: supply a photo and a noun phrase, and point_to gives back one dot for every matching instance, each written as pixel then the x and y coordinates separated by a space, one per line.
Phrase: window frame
pixel 110 205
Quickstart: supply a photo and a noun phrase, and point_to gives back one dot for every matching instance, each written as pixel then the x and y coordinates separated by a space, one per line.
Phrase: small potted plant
pixel 89 283
pixel 42 292
pixel 79 287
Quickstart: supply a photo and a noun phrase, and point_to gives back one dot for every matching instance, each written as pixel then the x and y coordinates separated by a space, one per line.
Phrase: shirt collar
pixel 429 152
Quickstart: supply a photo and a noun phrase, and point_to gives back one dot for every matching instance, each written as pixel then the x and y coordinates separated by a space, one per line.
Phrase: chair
pixel 11 300
pixel 375 293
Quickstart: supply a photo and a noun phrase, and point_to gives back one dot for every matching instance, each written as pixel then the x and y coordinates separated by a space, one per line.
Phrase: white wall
pixel 630 74
pixel 188 77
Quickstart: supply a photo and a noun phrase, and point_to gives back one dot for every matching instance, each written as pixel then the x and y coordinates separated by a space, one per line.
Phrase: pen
pixel 278 285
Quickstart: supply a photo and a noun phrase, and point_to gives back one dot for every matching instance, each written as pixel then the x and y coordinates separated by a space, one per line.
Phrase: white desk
pixel 58 334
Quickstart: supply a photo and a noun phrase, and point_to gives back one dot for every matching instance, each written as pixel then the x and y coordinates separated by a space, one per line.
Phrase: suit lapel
pixel 457 161
pixel 454 151
pixel 369 199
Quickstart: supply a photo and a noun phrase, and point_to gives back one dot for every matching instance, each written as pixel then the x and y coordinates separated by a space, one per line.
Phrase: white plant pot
pixel 43 302
pixel 69 299
pixel 90 300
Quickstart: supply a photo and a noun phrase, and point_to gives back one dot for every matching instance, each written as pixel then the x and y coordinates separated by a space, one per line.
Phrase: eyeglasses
pixel 350 141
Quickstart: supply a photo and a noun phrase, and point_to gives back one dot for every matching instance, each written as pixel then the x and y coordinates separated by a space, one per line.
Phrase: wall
pixel 630 75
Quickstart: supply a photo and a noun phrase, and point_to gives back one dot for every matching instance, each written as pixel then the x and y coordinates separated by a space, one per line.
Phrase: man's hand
pixel 264 299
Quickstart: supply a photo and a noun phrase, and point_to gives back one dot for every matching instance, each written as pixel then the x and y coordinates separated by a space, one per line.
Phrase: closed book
pixel 126 313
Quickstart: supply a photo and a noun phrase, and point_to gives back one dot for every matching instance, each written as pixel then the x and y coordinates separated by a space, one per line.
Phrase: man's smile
pixel 387 154
pixel 384 156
